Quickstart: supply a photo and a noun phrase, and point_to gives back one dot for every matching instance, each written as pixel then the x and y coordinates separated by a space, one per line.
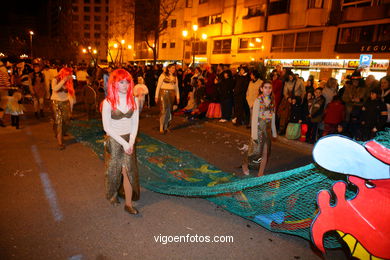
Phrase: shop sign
pixel 301 63
pixel 375 48
pixel 353 64
pixel 379 65
pixel 273 62
pixel 327 64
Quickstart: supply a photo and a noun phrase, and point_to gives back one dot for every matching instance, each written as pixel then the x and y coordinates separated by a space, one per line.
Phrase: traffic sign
pixel 365 60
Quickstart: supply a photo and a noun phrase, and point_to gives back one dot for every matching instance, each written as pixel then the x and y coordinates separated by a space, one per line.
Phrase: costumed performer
pixel 120 114
pixel 140 91
pixel 167 88
pixel 38 88
pixel 63 92
pixel 14 108
pixel 262 124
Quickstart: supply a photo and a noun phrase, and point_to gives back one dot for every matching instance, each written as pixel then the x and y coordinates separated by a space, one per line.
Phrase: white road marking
pixel 47 186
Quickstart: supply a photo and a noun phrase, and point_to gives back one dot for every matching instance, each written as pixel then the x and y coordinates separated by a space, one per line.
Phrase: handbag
pixel 293 131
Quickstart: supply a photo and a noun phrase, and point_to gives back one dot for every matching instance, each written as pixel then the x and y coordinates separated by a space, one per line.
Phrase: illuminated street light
pixel 123 41
pixel 89 47
pixel 184 33
pixel 251 45
pixel 258 40
pixel 115 45
pixel 94 51
pixel 262 47
pixel 204 36
pixel 195 27
pixel 84 50
pixel 129 47
pixel 31 38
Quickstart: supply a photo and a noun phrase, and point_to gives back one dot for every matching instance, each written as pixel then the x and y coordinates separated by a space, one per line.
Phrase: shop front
pixel 322 69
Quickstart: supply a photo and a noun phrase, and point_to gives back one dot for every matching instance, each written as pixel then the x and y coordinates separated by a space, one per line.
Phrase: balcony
pixel 352 14
pixel 253 24
pixel 278 22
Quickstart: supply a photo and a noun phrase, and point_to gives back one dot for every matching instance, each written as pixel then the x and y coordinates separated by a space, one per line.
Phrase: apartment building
pixel 89 23
pixel 321 37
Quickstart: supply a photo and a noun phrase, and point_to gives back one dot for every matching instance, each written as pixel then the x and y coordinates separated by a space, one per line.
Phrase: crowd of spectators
pixel 358 109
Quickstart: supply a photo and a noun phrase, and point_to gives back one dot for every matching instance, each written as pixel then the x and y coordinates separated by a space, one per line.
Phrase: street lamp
pixel 185 34
pixel 194 39
pixel 31 37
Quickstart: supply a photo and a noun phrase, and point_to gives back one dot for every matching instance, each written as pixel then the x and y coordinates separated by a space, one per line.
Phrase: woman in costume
pixel 63 92
pixel 37 88
pixel 263 123
pixel 167 88
pixel 120 114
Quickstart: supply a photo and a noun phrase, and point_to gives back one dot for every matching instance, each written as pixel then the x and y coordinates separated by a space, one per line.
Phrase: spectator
pixel 277 86
pixel 333 116
pixel 240 104
pixel 310 84
pixel 385 95
pixel 315 115
pixel 374 115
pixel 330 90
pixel 354 97
pixel 297 112
pixel 253 89
pixel 225 91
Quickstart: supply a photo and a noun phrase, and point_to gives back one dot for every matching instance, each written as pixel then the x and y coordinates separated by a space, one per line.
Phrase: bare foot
pixel 245 169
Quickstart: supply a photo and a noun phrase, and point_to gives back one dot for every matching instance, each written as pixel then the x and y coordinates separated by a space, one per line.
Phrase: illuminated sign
pixel 374 48
pixel 327 63
pixel 301 63
pixel 273 62
pixel 353 63
pixel 365 60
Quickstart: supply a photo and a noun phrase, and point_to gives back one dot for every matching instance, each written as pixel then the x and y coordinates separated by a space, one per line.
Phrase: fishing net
pixel 281 202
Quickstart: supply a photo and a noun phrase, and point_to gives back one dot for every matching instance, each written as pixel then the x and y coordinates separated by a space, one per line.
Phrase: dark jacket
pixel 241 85
pixel 374 114
pixel 225 89
pixel 317 109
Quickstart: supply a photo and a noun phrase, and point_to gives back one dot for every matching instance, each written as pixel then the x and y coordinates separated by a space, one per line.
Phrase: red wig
pixel 112 92
pixel 65 72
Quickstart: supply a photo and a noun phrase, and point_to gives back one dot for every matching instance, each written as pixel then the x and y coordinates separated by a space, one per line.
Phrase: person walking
pixel 63 92
pixel 120 116
pixel 262 128
pixel 167 89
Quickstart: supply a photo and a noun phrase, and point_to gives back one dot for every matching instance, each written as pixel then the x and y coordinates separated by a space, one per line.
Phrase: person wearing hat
pixel 374 115
pixel 37 88
pixel 354 97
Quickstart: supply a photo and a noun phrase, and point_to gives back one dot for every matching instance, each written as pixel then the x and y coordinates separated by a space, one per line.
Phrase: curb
pixel 298 145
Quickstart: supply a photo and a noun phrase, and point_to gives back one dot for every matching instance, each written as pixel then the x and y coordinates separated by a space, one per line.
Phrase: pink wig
pixel 112 95
pixel 64 72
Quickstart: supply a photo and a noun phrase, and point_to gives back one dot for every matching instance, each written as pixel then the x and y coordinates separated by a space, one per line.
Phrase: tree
pixel 152 16
pixel 121 23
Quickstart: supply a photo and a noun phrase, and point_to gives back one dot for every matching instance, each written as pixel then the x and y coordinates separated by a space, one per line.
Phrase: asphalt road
pixel 53 204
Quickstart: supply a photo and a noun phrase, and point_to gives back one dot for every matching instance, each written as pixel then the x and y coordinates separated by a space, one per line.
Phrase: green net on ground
pixel 281 202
